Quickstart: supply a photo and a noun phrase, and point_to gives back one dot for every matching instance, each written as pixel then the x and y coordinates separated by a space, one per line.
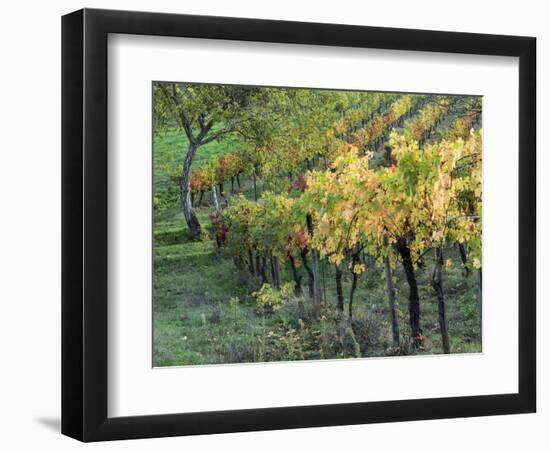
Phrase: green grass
pixel 169 150
pixel 170 147
pixel 204 312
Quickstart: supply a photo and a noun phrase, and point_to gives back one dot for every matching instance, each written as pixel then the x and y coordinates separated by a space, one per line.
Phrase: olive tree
pixel 204 113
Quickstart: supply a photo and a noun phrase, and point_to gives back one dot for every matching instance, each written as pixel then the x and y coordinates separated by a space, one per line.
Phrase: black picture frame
pixel 84 224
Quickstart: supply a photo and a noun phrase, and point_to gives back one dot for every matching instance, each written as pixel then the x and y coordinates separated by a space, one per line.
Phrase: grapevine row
pixel 404 210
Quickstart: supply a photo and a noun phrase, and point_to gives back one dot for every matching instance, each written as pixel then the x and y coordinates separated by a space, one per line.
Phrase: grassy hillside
pixel 206 301
pixel 204 312
pixel 169 149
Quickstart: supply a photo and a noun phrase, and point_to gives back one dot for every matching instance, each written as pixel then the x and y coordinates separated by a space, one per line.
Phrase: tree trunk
pixel 437 284
pixel 463 258
pixel 339 291
pixel 354 262
pixel 414 301
pixel 317 294
pixel 221 189
pixel 275 273
pixel 323 278
pixel 217 213
pixel 238 180
pixel 263 276
pixel 480 305
pixel 250 262
pixel 258 265
pixel 232 184
pixel 187 207
pixel 296 276
pixel 391 300
pixel 200 198
pixel 303 255
pixel 215 200
pixel 255 186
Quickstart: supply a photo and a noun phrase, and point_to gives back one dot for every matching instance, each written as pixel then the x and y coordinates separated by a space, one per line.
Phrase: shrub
pixel 269 299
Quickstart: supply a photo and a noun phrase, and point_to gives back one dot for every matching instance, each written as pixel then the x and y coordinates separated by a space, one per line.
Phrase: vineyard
pixel 300 224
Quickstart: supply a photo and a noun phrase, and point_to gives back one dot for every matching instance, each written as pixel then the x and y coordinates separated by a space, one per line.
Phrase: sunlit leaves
pixel 426 194
pixel 421 199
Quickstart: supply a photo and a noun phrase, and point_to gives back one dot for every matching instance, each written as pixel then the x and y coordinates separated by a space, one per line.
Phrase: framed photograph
pixel 273 225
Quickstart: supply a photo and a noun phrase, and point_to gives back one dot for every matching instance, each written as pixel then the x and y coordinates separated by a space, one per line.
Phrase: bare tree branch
pixel 215 135
pixel 205 128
